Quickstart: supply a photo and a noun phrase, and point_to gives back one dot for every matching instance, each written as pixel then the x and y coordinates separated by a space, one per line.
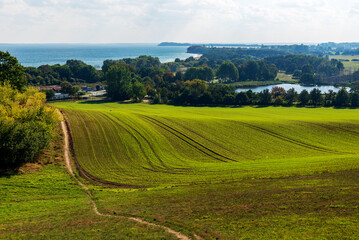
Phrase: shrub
pixel 26 125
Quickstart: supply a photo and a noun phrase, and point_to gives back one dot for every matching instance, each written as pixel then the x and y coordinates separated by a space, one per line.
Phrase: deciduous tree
pixel 11 72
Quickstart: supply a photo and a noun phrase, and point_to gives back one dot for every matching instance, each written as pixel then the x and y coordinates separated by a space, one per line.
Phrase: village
pixel 55 92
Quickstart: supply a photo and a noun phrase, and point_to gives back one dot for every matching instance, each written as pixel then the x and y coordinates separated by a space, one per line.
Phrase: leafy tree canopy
pixel 11 72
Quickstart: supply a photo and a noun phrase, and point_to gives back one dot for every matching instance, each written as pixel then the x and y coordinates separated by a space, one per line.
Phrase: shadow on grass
pixel 7 173
pixel 104 101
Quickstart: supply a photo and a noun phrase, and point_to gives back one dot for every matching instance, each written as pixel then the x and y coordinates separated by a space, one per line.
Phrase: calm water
pixel 94 54
pixel 297 87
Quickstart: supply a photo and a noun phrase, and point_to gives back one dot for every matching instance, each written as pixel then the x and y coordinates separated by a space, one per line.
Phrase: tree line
pixel 309 69
pixel 197 92
pixel 74 71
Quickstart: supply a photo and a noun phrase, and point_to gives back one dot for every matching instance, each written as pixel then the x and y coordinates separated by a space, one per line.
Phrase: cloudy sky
pixel 152 21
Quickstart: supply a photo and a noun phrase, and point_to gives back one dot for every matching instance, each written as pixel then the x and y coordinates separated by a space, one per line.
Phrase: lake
pixel 35 55
pixel 298 88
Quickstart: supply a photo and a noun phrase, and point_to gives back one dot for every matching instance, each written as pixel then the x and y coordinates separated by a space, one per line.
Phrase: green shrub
pixel 26 125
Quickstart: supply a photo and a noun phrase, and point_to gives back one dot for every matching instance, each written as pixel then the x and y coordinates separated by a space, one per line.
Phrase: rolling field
pixel 220 172
pixel 157 146
pixel 45 202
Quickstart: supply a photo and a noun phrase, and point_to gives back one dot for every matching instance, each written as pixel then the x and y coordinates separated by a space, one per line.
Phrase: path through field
pixel 71 171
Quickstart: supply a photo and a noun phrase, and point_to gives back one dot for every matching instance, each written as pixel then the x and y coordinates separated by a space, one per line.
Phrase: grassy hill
pixel 158 146
pixel 222 172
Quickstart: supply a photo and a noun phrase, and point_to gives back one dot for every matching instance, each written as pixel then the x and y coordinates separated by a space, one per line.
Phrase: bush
pixel 26 125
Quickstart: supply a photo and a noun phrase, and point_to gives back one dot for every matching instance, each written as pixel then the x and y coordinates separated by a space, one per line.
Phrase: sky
pixel 194 21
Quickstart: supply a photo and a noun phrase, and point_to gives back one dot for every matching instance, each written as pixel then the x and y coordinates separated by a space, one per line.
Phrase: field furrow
pixel 190 141
pixel 136 145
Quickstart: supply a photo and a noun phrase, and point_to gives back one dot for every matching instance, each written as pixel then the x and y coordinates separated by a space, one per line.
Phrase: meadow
pixel 224 173
pixel 349 64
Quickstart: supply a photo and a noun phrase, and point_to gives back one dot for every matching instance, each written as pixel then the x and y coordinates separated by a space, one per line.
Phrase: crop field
pixel 44 202
pixel 157 146
pixel 222 172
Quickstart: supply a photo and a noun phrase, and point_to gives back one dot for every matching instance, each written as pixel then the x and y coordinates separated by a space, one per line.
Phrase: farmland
pixel 350 62
pixel 221 172
pixel 44 202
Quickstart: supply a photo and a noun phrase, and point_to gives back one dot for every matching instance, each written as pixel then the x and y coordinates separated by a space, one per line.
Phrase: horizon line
pixel 192 43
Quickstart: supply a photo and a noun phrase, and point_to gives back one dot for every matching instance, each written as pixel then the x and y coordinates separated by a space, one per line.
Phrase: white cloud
pixel 178 20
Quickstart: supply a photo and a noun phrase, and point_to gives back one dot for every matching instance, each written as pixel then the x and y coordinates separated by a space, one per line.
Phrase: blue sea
pixel 35 55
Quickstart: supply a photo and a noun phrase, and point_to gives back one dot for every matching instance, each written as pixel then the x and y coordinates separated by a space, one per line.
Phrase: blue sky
pixel 152 21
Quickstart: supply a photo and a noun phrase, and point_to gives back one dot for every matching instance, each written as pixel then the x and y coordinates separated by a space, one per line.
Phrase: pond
pixel 298 88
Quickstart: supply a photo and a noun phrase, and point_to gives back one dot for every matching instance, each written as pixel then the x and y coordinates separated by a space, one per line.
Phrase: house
pixel 60 96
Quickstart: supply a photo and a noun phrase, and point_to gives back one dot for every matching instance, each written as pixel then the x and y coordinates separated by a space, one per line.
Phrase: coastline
pixel 30 55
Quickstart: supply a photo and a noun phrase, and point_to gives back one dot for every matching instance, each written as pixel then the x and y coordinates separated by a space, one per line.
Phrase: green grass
pixel 48 204
pixel 158 146
pixel 325 206
pixel 225 173
pixel 349 65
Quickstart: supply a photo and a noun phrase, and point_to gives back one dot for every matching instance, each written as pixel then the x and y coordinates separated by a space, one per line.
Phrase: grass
pixel 350 64
pixel 158 146
pixel 44 202
pixel 223 172
pixel 312 207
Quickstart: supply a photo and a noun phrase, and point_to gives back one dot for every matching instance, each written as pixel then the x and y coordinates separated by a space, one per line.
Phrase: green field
pixel 223 172
pixel 45 202
pixel 349 65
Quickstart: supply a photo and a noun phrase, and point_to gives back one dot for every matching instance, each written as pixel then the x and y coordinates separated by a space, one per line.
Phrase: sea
pixel 34 55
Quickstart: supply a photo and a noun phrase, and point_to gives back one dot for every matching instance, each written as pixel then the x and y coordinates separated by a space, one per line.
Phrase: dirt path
pixel 71 171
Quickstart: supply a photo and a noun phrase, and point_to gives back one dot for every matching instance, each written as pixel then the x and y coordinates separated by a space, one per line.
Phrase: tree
pixel 291 68
pixel 119 82
pixel 202 73
pixel 265 97
pixel 228 71
pixel 67 87
pixel 179 76
pixel 297 74
pixel 354 99
pixel 229 99
pixel 303 97
pixel 342 99
pixel 315 96
pixel 139 91
pixel 49 93
pixel 242 98
pixel 252 70
pixel 308 69
pixel 355 86
pixel 291 96
pixel 64 71
pixel 11 72
pixel 278 101
pixel 329 98
pixel 307 78
pixel 26 125
pixel 81 70
pixel 277 91
pixel 168 77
